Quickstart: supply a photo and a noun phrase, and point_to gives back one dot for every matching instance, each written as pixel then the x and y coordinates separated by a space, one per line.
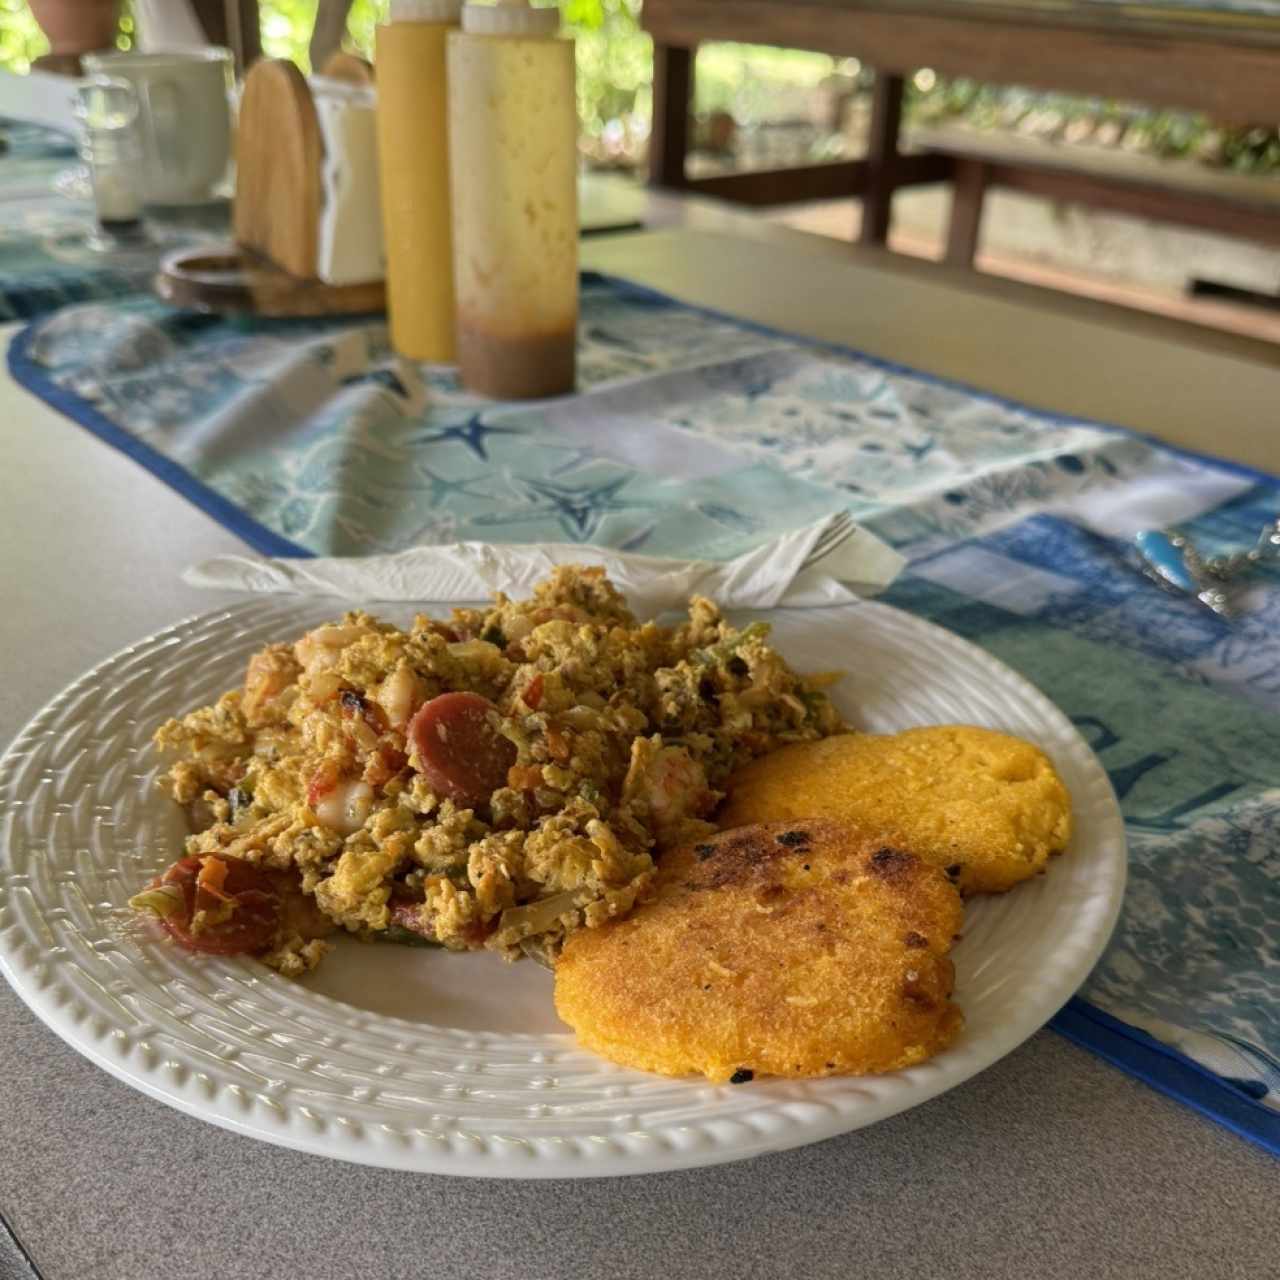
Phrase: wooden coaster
pixel 238 281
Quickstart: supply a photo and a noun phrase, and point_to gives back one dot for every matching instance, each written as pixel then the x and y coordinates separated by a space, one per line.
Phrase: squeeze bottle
pixel 513 163
pixel 413 165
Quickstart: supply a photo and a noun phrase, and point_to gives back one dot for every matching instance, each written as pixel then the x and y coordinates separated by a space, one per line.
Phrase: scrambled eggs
pixel 498 780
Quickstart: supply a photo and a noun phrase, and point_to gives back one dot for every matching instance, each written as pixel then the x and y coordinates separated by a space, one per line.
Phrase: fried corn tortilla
pixel 785 949
pixel 986 807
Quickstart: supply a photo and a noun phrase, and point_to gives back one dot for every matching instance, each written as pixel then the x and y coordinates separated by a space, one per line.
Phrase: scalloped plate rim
pixel 929 1080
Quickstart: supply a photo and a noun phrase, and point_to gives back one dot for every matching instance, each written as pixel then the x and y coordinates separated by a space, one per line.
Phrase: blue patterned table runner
pixel 45 261
pixel 698 434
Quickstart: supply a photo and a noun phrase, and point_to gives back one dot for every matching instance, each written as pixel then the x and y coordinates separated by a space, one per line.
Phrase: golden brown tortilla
pixel 986 807
pixel 788 949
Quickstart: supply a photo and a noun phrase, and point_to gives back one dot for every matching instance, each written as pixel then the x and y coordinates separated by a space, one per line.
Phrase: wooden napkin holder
pixel 275 216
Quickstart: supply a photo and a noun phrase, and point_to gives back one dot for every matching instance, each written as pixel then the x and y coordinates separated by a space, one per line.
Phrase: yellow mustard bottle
pixel 413 165
pixel 513 164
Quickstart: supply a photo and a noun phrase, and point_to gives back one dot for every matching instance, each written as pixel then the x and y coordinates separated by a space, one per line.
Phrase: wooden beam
pixel 1226 69
pixel 923 168
pixel 234 24
pixel 1141 200
pixel 882 157
pixel 819 181
pixel 967 198
pixel 785 186
pixel 672 94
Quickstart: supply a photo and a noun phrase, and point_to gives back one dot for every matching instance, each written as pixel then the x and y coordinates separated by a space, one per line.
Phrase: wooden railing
pixel 1227 65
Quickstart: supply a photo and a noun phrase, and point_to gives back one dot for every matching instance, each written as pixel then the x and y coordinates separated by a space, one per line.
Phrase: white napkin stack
pixel 350 248
pixel 830 562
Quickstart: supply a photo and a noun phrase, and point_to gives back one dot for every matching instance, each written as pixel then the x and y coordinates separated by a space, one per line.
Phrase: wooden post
pixel 233 23
pixel 328 31
pixel 968 194
pixel 672 93
pixel 882 157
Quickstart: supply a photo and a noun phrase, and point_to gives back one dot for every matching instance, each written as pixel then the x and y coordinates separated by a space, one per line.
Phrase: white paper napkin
pixel 350 246
pixel 832 561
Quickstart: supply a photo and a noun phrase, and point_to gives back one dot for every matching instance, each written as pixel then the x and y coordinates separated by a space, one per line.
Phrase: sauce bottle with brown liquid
pixel 513 165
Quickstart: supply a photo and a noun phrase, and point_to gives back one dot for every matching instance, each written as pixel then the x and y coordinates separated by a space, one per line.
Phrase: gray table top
pixel 1051 1163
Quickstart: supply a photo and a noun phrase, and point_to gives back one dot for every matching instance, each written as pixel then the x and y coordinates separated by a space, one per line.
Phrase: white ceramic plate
pixel 422 1060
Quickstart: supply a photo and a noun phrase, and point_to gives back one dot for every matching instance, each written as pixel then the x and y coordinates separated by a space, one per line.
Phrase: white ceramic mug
pixel 184 117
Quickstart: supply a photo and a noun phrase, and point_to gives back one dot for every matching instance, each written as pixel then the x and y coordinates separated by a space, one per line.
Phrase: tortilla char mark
pixel 752 854
pixel 986 807
pixel 893 864
pixel 798 948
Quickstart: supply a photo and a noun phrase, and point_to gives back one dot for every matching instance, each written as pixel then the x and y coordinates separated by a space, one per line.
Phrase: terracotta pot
pixel 77 26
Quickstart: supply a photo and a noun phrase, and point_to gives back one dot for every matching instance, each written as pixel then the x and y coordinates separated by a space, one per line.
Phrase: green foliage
pixel 21 41
pixel 754 84
pixel 614 59
pixel 1057 117
pixel 363 18
pixel 585 15
pixel 615 63
pixel 286 28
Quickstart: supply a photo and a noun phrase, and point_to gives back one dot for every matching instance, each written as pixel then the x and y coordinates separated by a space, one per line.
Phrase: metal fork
pixel 841 528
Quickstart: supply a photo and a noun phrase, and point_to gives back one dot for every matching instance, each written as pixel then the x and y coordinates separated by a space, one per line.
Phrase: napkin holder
pixel 274 269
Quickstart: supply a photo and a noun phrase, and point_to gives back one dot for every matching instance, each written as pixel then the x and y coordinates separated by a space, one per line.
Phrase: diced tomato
pixel 241 900
pixel 532 694
pixel 460 751
pixel 524 777
pixel 210 879
pixel 322 782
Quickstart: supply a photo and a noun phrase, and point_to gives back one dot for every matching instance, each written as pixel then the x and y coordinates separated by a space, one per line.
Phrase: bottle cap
pixel 509 18
pixel 425 10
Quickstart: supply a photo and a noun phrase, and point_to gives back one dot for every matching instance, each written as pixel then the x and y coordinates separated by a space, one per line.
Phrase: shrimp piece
pixel 320 649
pixel 344 806
pixel 270 673
pixel 400 695
pixel 669 784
